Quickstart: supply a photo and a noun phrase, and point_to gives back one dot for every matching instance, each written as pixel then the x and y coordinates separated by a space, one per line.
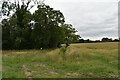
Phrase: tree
pixel 45 28
pixel 116 40
pixel 6 41
pixel 8 7
pixel 75 38
pixel 69 34
pixel 97 40
pixel 18 24
pixel 81 40
pixel 106 40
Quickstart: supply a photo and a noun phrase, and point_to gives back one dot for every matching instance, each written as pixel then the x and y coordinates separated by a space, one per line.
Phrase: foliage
pixel 45 28
pixel 102 40
pixel 106 39
pixel 69 34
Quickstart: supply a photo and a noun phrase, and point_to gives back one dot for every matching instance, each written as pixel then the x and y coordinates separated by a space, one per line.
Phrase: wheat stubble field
pixel 85 60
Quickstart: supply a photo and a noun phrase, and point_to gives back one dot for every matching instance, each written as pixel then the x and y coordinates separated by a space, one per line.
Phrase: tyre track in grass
pixel 27 72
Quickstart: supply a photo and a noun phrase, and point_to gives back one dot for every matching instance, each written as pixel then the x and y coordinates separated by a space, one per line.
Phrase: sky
pixel 93 19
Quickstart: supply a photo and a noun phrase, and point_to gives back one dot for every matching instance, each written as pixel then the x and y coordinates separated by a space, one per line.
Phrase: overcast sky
pixel 93 19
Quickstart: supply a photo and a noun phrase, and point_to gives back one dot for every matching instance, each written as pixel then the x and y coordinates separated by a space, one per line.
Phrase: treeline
pixel 45 28
pixel 102 40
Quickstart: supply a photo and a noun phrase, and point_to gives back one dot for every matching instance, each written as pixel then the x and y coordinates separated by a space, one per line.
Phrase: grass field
pixel 85 60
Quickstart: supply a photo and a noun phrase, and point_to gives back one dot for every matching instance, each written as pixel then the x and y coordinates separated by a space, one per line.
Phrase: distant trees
pixel 45 28
pixel 81 40
pixel 102 40
pixel 109 40
pixel 97 41
pixel 85 41
pixel 106 39
pixel 116 40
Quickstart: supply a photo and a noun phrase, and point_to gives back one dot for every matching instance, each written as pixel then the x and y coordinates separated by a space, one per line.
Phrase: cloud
pixel 94 19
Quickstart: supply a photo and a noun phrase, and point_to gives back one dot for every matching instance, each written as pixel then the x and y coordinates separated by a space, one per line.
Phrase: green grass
pixel 90 60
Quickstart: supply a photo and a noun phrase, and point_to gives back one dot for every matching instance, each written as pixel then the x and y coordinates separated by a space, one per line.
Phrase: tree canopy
pixel 45 28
